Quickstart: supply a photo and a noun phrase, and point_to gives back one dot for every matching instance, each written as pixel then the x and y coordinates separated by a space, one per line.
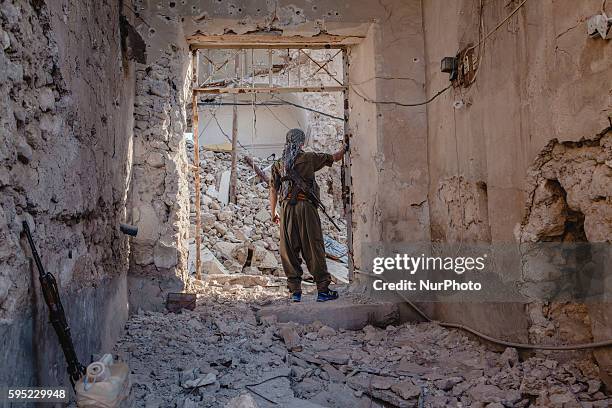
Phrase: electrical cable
pixel 497 27
pixel 481 50
pixel 365 98
pixel 240 104
pixel 524 346
pixel 277 118
pixel 308 109
pixel 226 135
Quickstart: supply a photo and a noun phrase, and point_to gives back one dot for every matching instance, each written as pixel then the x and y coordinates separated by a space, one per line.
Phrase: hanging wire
pixel 277 118
pixel 308 109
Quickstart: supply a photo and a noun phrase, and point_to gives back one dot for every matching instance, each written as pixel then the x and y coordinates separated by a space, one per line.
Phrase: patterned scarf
pixel 294 141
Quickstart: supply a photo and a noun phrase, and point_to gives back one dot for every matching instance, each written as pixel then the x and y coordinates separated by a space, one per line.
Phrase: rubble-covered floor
pixel 220 355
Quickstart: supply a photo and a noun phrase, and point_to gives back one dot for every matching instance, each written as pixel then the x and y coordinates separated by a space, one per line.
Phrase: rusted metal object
pixel 273 90
pixel 196 167
pixel 467 66
pixel 175 302
pixel 347 180
pixel 259 171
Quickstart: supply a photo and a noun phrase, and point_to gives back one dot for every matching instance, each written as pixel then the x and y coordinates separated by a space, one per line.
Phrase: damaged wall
pixel 389 152
pixel 541 78
pixel 159 194
pixel 65 162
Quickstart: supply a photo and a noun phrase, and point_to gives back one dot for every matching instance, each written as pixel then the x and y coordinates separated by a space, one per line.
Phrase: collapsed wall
pixel 65 161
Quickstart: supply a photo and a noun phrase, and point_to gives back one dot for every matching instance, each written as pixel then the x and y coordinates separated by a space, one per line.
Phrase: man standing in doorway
pixel 300 225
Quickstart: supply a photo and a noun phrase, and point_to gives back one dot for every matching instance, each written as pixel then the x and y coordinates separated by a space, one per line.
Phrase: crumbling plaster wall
pixel 159 195
pixel 541 79
pixel 389 155
pixel 65 161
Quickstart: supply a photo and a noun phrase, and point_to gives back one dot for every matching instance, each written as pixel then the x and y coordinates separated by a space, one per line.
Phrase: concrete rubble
pixel 223 355
pixel 236 234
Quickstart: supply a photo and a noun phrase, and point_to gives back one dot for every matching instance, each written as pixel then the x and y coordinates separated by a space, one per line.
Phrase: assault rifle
pixel 56 313
pixel 300 184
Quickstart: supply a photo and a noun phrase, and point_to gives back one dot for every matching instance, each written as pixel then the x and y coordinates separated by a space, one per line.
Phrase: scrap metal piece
pixel 175 302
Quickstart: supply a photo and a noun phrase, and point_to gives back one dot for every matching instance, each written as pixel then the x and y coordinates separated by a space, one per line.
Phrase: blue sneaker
pixel 328 295
pixel 296 297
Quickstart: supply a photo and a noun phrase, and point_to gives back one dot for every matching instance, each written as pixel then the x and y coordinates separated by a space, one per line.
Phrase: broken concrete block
pixel 291 338
pixel 165 255
pixel 220 228
pixel 262 258
pixel 5 40
pixel 262 215
pixel 340 314
pixel 406 389
pixel 209 262
pixel 381 382
pixel 509 357
pixel 227 249
pixel 200 381
pixel 242 401
pixel 225 215
pixel 224 187
pixel 335 357
pixel 486 393
pixel 326 331
pixel 334 374
pixel 237 279
pixel 211 191
pixel 338 270
pixel 46 99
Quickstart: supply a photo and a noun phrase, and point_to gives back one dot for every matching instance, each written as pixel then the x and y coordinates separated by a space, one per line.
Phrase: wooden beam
pixel 270 90
pixel 196 168
pixel 271 41
pixel 233 174
pixel 346 179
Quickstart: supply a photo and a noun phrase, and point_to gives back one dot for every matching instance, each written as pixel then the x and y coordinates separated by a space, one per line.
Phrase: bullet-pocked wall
pixel 388 144
pixel 66 103
pixel 525 150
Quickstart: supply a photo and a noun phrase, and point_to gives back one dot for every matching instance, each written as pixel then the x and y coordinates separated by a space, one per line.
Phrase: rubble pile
pixel 233 233
pixel 223 355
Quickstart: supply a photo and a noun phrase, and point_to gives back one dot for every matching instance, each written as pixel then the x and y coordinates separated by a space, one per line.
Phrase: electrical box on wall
pixel 461 68
pixel 449 65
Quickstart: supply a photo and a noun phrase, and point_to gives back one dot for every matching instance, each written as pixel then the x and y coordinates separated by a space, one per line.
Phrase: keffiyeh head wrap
pixel 294 141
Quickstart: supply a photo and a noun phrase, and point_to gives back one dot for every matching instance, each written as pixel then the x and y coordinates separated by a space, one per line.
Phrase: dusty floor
pixel 222 355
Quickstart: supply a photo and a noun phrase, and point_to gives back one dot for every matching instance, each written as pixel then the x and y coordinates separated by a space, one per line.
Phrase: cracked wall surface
pixel 541 78
pixel 65 162
pixel 396 70
pixel 159 195
pixel 456 169
pixel 570 200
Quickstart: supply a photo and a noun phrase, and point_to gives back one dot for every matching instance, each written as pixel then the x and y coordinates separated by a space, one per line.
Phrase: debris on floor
pixel 223 355
pixel 231 231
